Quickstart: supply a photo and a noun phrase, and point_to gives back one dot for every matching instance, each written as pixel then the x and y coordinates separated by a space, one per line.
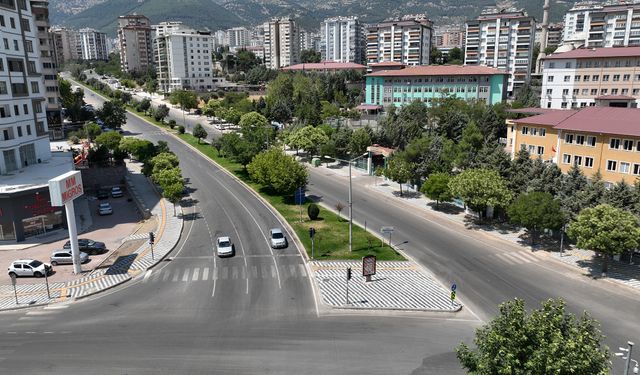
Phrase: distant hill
pixel 220 14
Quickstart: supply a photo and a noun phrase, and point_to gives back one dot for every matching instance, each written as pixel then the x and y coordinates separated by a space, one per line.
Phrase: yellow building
pixel 595 138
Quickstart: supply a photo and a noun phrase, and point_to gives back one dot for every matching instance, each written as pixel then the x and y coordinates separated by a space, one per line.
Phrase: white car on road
pixel 278 240
pixel 224 247
pixel 105 209
pixel 29 267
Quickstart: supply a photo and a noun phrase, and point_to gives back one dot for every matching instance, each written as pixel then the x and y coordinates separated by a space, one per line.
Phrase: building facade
pixel 604 139
pixel 404 85
pixel 407 40
pixel 447 37
pixel 183 58
pixel 68 45
pixel 554 34
pixel 342 40
pixel 578 78
pixel 281 43
pixel 597 24
pixel 134 43
pixel 238 37
pixel 93 44
pixel 502 40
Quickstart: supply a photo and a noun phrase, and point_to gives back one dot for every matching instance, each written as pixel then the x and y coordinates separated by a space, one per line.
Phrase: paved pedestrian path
pixel 396 285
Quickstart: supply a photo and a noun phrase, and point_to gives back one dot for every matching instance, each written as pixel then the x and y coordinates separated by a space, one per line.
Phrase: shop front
pixel 28 214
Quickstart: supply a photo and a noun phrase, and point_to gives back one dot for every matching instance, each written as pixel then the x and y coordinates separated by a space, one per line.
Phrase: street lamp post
pixel 350 199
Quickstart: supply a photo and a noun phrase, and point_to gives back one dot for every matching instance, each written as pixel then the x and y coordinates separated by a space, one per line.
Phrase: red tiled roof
pixel 386 63
pixel 615 97
pixel 438 70
pixel 533 110
pixel 603 120
pixel 368 107
pixel 587 53
pixel 325 65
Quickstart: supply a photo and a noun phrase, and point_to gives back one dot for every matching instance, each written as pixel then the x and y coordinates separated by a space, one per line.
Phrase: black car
pixel 198 111
pixel 102 194
pixel 90 247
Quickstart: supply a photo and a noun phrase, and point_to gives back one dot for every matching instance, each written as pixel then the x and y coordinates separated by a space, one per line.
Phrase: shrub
pixel 172 125
pixel 74 139
pixel 313 211
pixel 181 129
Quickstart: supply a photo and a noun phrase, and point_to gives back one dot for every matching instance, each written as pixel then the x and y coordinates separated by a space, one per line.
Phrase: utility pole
pixel 350 213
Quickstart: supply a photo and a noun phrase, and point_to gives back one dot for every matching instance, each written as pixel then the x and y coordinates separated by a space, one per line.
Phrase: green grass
pixel 332 232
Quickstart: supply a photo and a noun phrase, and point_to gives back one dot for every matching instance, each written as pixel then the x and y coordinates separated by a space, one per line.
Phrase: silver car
pixel 278 240
pixel 64 257
pixel 224 247
pixel 105 209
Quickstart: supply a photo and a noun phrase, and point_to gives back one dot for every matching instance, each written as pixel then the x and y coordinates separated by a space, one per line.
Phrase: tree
pixel 469 146
pixel 163 161
pixel 256 129
pixel 113 114
pixel 452 123
pixel 636 197
pixel 151 86
pixel 536 211
pixel 173 193
pixel 111 140
pixel 93 131
pixel 161 112
pixel 571 193
pixel 480 188
pixel 408 125
pixel 607 230
pixel 72 101
pixel 310 56
pixel 360 140
pixel 548 340
pixel 520 172
pixel 398 170
pixel 593 193
pixel 199 132
pixel 308 138
pixel 186 99
pixel 141 149
pixel 620 196
pixel 167 176
pixel 145 104
pixel 429 154
pixel 437 188
pixel 455 56
pixel 278 171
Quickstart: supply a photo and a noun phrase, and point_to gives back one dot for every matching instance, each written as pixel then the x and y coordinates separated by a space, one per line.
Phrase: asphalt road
pixel 242 322
pixel 470 260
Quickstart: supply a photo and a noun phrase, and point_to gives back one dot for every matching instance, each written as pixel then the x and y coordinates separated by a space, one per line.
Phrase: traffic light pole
pixel 348 278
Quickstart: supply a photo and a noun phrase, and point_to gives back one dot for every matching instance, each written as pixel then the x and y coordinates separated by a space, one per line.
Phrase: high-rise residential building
pixel 407 40
pixel 93 44
pixel 309 40
pixel 598 24
pixel 281 43
pixel 342 40
pixel 502 39
pixel 49 64
pixel 67 43
pixel 134 42
pixel 238 37
pixel 183 57
pixel 554 34
pixel 447 37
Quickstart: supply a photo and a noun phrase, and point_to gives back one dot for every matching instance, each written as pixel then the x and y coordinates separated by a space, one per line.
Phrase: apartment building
pixel 407 40
pixel 183 57
pixel 503 40
pixel 450 36
pixel 581 77
pixel 554 33
pixel 600 24
pixel 605 139
pixel 93 44
pixel 134 43
pixel 342 40
pixel 309 40
pixel 402 85
pixel 238 37
pixel 281 43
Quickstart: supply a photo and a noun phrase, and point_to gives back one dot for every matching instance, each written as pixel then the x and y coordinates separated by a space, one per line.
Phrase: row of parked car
pixel 36 268
pixel 225 248
pixel 105 208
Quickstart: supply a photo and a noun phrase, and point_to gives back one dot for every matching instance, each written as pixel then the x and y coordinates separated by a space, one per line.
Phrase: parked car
pixel 102 194
pixel 278 240
pixel 29 267
pixel 224 247
pixel 65 257
pixel 116 192
pixel 88 246
pixel 105 209
pixel 198 111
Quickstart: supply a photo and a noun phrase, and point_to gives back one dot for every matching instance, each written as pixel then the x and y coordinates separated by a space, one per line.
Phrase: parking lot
pixel 110 229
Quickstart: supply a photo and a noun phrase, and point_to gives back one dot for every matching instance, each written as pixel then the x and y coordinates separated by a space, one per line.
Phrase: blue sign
pixel 453 287
pixel 299 196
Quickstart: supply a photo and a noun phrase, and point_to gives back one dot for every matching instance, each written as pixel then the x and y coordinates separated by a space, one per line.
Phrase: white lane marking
pixel 175 276
pixel 303 271
pixel 205 274
pixel 254 271
pixel 56 307
pixel 166 275
pixel 234 272
pixel 36 312
pixel 196 274
pixel 185 277
pixel 225 273
pixel 146 276
pixel 292 268
pixel 215 275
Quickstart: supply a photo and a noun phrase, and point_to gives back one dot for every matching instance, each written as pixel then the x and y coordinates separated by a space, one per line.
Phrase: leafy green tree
pixel 536 211
pixel 72 101
pixel 246 60
pixel 329 110
pixel 308 138
pixel 436 187
pixel 328 149
pixel 360 140
pixel 636 197
pixel 161 112
pixel 163 161
pixel 238 148
pixel 278 171
pixel 549 340
pixel 151 86
pixel 594 192
pixel 173 193
pixel 93 131
pixel 167 176
pixel 606 230
pixel 113 114
pixel 469 146
pixel 111 140
pixel 199 132
pixel 452 123
pixel 310 56
pixel 185 99
pixel 480 188
pixel 620 196
pixel 429 154
pixel 341 137
pixel 398 170
pixel 492 125
pixel 493 156
pixel 256 129
pixel 571 194
pixel 455 56
pixel 520 172
pixel 141 149
pixel 145 105
pixel 408 125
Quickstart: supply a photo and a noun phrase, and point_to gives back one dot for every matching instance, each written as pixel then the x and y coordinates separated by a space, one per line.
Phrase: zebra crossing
pixel 517 257
pixel 225 272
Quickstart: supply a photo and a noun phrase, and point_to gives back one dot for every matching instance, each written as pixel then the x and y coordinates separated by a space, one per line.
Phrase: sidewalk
pixel 124 268
pixel 584 260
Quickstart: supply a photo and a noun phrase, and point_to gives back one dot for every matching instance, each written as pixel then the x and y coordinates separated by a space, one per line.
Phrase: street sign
pixel 453 287
pixel 453 296
pixel 387 230
pixel 312 232
pixel 369 266
pixel 299 196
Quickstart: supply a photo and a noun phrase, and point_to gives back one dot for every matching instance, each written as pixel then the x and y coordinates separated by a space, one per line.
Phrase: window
pixel 625 92
pixel 550 79
pixel 25 24
pixel 525 130
pixel 28 129
pixel 585 91
pixel 594 91
pixel 2 21
pixel 12 22
pixel 591 141
pixel 566 158
pixel 614 143
pixel 35 88
pixel 565 91
pixel 576 78
pixel 579 139
pixel 6 43
pixel 625 167
pixel 563 105
pixel 37 107
pixel 549 91
pixel 532 149
pixel 588 162
pixel 19 131
pixel 16 46
pixel 612 165
pixel 605 78
pixel 540 150
pixel 585 78
pixel 567 78
pixel 575 92
pixel 616 77
pixel 568 138
pixel 614 91
pixel 3 88
pixel 577 160
pixel 543 132
pixel 28 45
pixel 627 145
pixel 16 110
pixel 636 169
pixel 604 91
pixel 534 131
pixel 26 109
pixel 595 78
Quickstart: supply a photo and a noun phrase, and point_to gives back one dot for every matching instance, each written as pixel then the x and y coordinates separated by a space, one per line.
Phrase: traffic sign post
pixel 348 278
pixel 453 292
pixel 15 291
pixel 46 280
pixel 152 240
pixel 312 234
pixel 387 231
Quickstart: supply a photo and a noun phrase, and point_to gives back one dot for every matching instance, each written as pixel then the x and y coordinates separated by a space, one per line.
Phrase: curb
pixel 28 307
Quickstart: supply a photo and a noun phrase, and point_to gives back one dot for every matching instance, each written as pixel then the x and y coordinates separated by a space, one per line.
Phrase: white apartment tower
pixel 134 42
pixel 596 24
pixel 24 135
pixel 503 40
pixel 93 44
pixel 183 57
pixel 281 43
pixel 238 37
pixel 342 40
pixel 407 40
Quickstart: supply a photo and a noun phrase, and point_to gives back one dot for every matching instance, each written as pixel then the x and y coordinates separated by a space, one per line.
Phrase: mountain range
pixel 221 14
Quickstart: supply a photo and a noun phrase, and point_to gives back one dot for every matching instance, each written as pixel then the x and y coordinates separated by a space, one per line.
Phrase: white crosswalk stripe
pixel 230 272
pixel 196 274
pixel 205 274
pixel 517 257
